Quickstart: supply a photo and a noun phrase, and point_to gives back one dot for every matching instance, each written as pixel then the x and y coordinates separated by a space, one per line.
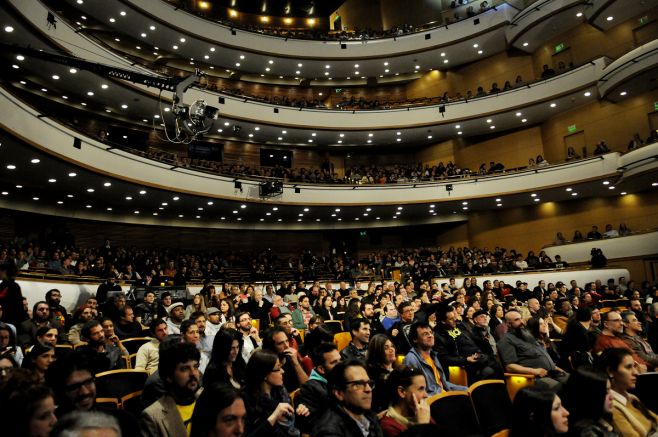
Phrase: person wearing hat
pixel 176 313
pixel 455 347
pixel 213 323
pixel 481 334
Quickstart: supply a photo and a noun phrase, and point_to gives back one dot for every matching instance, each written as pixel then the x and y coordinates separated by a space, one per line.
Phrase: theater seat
pixel 457 375
pixel 336 326
pixel 646 389
pixel 132 403
pixel 492 405
pixel 516 381
pixel 119 383
pixel 133 344
pixel 503 433
pixel 342 339
pixel 293 395
pixel 454 414
pixel 109 403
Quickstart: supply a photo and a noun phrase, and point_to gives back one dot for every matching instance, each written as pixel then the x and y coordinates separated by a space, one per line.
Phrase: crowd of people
pixel 241 360
pixel 594 234
pixel 447 17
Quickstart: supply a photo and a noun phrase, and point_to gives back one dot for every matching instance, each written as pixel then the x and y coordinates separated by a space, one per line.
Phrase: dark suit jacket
pixel 162 419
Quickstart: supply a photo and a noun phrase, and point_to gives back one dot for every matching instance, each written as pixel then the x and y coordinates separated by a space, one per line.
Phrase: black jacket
pixel 337 423
pixel 314 394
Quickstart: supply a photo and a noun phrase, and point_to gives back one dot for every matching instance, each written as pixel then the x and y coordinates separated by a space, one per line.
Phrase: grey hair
pixel 75 422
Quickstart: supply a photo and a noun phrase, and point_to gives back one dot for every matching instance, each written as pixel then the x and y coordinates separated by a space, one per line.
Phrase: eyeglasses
pixel 77 386
pixel 360 384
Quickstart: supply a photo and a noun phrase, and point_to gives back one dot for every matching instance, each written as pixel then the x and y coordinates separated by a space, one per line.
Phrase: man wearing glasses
pixel 611 336
pixel 350 390
pixel 72 381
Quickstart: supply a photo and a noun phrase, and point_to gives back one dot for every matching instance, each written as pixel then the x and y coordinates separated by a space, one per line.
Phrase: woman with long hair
pixel 588 398
pixel 539 329
pixel 8 345
pixel 39 359
pixel 629 415
pixel 226 363
pixel 538 413
pixel 27 408
pixel 198 305
pixel 326 309
pixel 380 360
pixel 265 391
pixel 227 314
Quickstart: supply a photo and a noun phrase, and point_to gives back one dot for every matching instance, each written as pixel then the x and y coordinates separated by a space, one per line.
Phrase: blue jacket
pixel 414 359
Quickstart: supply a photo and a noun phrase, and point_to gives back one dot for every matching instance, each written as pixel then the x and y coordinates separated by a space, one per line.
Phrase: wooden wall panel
pixel 436 153
pixel 512 150
pixel 530 228
pixel 600 120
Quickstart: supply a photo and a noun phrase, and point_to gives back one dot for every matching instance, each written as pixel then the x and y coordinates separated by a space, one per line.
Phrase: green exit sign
pixel 571 128
pixel 644 20
pixel 559 47
pixel 655 106
pixel 339 90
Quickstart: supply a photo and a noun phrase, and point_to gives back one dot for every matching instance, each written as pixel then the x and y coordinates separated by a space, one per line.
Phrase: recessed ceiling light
pixel 11 167
pixel 400 208
pixel 525 44
pixel 9 29
pixel 20 186
pixel 129 198
pixel 88 206
pixel 492 127
pixel 499 204
pixel 5 193
pixel 136 212
pixel 337 209
pixel 107 184
pixel 623 93
pixel 611 187
pixel 176 198
pixel 65 97
pixel 90 93
pixel 537 199
pixel 243 206
pixel 52 180
pixel 587 94
pixel 445 61
pixel 579 14
pixel 70 196
pixel 35 161
pixel 44 90
pixel 574 194
pixel 16 67
pixel 175 47
pixel 153 28
pixel 606 182
pixel 72 175
pixel 112 20
pixel 654 184
pixel 55 77
pixel 429 137
pixel 523 120
pixel 465 208
pixel 24 83
pixel 610 18
pixel 327 66
pixel 143 35
pixel 124 106
pixel 553 105
pixel 60 202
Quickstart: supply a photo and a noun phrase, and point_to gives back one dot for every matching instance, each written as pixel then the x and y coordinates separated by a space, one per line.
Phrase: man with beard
pixel 350 390
pixel 176 317
pixel 57 311
pixel 148 354
pixel 275 340
pixel 103 356
pixel 249 334
pixel 72 380
pixel 126 326
pixel 520 352
pixel 367 311
pixel 171 415
pixel 27 330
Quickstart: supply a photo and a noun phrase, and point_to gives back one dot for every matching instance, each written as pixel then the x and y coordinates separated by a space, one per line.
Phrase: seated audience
pixel 632 335
pixel 629 416
pixel 275 340
pixel 610 337
pixel 588 398
pixel 314 392
pixel 538 412
pixel 266 392
pixel 148 354
pixel 423 356
pixel 407 401
pixel 171 415
pixel 380 360
pixel 226 363
pixel 27 407
pixel 358 347
pixel 349 414
pixel 40 357
pixel 521 352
